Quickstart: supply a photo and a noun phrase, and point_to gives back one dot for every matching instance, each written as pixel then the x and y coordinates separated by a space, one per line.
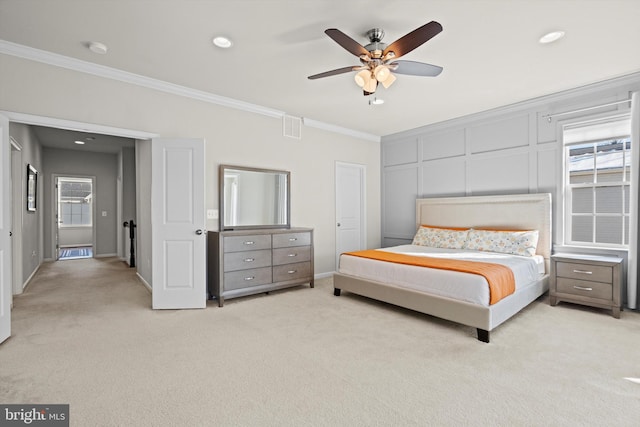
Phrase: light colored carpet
pixel 84 334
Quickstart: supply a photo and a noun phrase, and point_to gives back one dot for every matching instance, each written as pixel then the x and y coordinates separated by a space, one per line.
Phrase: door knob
pixel 338 224
pixel 199 232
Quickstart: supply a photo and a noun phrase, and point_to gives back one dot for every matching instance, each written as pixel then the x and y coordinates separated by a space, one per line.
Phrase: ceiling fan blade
pixel 415 38
pixel 414 68
pixel 346 42
pixel 333 72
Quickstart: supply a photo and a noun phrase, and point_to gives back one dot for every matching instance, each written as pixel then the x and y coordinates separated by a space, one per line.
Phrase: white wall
pixel 510 150
pixel 233 137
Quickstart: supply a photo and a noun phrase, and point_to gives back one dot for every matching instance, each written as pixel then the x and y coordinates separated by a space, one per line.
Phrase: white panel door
pixel 5 230
pixel 350 208
pixel 178 224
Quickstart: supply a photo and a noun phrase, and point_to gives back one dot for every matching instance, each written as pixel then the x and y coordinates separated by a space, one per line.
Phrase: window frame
pixel 568 187
pixel 62 224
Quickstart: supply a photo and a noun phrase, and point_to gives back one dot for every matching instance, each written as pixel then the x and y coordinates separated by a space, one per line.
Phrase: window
pixel 597 180
pixel 75 202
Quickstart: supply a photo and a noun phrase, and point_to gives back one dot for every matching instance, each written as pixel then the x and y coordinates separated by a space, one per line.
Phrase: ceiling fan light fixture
pixel 371 85
pixel 362 78
pixel 381 72
pixel 388 81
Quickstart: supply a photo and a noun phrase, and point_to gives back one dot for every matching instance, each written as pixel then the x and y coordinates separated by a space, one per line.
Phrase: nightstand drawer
pixel 585 288
pixel 596 273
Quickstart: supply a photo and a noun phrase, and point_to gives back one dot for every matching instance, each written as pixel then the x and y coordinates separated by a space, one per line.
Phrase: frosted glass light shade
pixel 362 78
pixel 371 85
pixel 388 81
pixel 381 72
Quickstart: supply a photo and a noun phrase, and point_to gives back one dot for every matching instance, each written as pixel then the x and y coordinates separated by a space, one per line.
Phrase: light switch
pixel 212 213
pixel 104 213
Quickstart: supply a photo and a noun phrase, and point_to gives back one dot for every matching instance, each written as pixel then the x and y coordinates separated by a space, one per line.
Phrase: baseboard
pixel 144 282
pixel 105 255
pixel 323 275
pixel 26 283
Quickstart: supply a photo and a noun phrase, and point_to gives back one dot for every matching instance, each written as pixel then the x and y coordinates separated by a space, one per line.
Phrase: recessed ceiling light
pixel 222 42
pixel 79 142
pixel 551 37
pixel 99 48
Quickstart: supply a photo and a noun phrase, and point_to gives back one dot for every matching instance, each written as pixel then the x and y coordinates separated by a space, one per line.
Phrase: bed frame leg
pixel 336 292
pixel 483 335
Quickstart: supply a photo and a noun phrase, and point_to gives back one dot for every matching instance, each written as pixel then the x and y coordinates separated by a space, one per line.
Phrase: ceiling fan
pixel 379 61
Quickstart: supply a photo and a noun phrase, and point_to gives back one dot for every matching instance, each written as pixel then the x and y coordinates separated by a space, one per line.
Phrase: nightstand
pixel 589 280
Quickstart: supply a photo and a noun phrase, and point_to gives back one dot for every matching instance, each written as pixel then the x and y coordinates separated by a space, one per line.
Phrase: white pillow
pixel 508 242
pixel 440 237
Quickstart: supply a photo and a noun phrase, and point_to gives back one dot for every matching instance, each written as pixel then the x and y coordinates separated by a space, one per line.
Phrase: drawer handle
pixel 292 271
pixel 249 259
pixel 582 272
pixel 249 278
pixel 582 288
pixel 292 255
pixel 293 239
pixel 249 242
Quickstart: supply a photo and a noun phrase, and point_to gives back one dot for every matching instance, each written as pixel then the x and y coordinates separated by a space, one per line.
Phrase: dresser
pixel 246 262
pixel 590 280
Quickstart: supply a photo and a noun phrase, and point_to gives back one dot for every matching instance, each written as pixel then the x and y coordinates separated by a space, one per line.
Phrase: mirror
pixel 253 198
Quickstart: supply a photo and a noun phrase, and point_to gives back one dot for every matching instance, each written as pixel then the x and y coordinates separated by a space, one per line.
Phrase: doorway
pixel 74 217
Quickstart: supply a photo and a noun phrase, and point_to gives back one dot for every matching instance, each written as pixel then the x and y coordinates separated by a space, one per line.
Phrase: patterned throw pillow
pixel 508 242
pixel 440 237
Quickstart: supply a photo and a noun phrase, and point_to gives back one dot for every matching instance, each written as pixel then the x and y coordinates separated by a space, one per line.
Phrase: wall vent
pixel 292 126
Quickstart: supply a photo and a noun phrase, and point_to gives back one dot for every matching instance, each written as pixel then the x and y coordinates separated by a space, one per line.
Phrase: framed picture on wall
pixel 32 188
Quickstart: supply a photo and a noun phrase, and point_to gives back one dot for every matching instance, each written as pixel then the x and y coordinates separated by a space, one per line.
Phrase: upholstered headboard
pixel 510 212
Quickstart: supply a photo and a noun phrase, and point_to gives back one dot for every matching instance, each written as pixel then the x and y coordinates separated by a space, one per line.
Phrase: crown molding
pixel 57 60
pixel 338 129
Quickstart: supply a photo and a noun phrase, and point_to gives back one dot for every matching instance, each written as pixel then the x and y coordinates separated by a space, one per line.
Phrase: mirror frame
pixel 221 205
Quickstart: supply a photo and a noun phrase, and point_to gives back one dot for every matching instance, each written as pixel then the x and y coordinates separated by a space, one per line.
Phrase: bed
pixel 504 213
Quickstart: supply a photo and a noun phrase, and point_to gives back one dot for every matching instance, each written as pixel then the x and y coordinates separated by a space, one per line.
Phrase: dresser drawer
pixel 299 270
pixel 247 278
pixel 291 255
pixel 596 273
pixel 585 288
pixel 247 243
pixel 286 240
pixel 247 259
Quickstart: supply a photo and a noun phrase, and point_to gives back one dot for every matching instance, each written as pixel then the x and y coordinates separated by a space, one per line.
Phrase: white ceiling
pixel 65 140
pixel 489 50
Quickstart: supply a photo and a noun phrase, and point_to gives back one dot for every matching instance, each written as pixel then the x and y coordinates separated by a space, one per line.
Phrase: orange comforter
pixel 500 278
